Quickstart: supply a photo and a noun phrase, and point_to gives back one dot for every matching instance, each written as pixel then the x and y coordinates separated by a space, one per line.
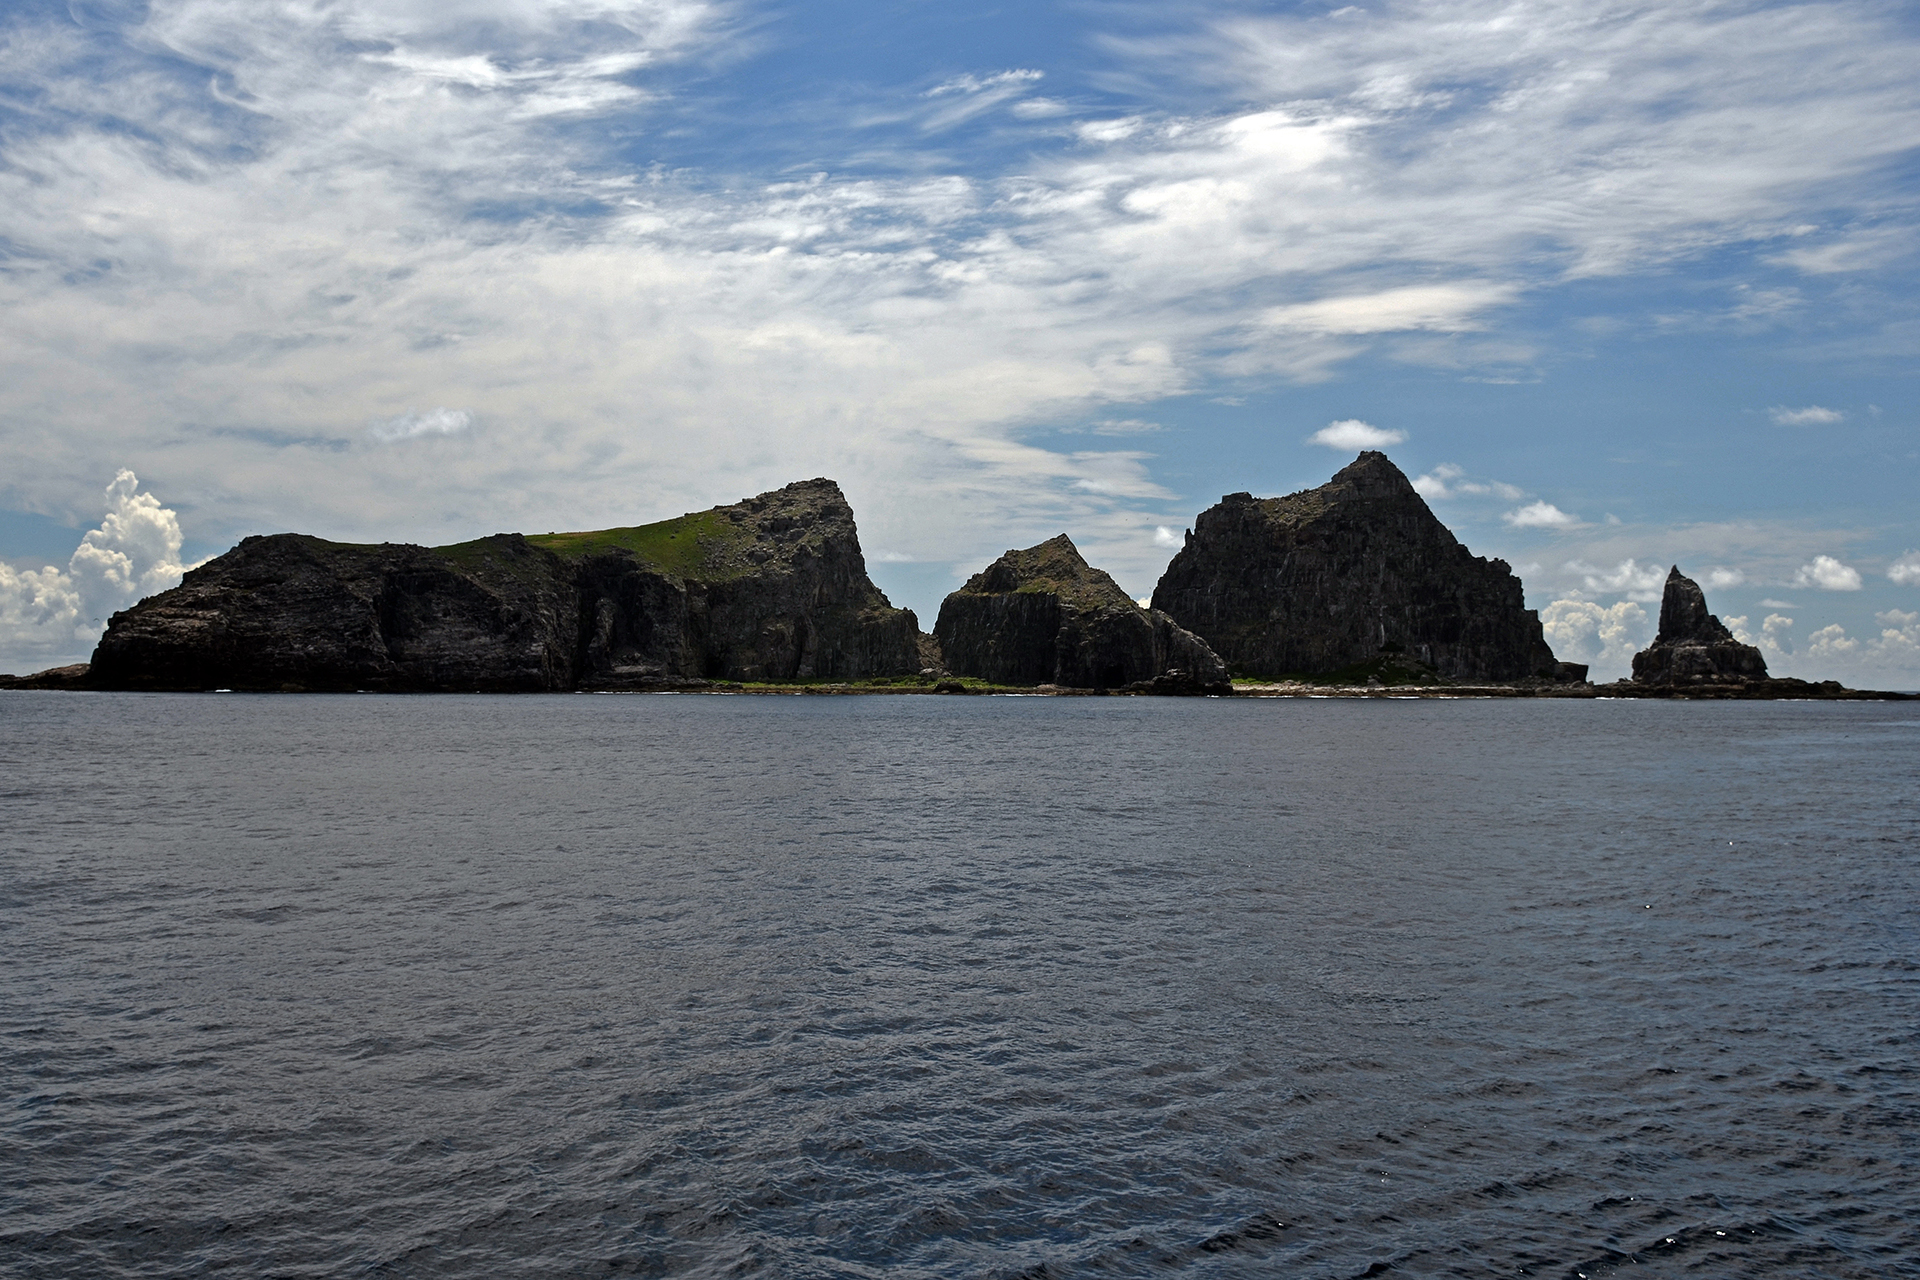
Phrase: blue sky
pixel 1620 284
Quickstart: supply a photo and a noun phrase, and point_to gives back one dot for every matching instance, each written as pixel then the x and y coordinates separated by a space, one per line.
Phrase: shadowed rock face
pixel 1044 616
pixel 772 588
pixel 1693 646
pixel 1323 579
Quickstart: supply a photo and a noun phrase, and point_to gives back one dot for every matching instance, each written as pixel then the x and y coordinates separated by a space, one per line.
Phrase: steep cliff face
pixel 772 588
pixel 1330 577
pixel 1044 616
pixel 1694 647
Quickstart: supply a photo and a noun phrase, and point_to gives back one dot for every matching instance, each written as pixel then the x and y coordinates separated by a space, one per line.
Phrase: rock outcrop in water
pixel 1045 616
pixel 70 677
pixel 1335 577
pixel 772 588
pixel 1694 647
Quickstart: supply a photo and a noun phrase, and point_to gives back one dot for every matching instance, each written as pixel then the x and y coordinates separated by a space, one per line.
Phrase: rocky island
pixel 1354 572
pixel 1044 616
pixel 1693 646
pixel 772 588
pixel 1696 656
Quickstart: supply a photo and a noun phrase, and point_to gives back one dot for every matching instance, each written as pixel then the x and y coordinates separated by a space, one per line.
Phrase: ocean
pixel 554 986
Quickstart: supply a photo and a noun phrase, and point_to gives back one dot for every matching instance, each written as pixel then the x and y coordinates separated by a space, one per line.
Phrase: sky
pixel 1619 285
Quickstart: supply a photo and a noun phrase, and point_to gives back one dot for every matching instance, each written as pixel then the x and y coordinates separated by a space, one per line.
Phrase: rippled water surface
pixel 915 986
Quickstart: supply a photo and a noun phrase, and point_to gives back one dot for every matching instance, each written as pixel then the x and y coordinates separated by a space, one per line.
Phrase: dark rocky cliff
pixel 1044 616
pixel 772 588
pixel 1332 577
pixel 1694 647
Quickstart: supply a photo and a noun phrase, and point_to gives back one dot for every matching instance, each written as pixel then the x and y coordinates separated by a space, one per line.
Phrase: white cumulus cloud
pixel 1827 574
pixel 1540 515
pixel 1352 433
pixel 1630 578
pixel 1775 635
pixel 1165 537
pixel 1811 416
pixel 1890 659
pixel 1445 481
pixel 1899 640
pixel 1906 569
pixel 1720 578
pixel 1605 637
pixel 54 615
pixel 1831 641
pixel 1433 484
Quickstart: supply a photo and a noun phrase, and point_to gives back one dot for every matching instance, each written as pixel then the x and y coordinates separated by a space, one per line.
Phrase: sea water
pixel 553 986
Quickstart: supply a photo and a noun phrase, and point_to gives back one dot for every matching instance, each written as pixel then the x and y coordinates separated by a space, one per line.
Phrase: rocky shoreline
pixel 75 679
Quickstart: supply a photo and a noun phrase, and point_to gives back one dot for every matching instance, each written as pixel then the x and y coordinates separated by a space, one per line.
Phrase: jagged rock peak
pixel 1043 615
pixel 1371 478
pixel 1683 614
pixel 818 497
pixel 1373 475
pixel 1055 565
pixel 1321 580
pixel 1694 647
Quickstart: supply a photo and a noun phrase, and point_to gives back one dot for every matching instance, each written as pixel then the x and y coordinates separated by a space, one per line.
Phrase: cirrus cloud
pixel 312 216
pixel 1449 308
pixel 439 421
pixel 1811 416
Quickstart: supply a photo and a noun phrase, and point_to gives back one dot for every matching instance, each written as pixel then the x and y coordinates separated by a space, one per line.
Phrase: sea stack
pixel 1045 616
pixel 772 588
pixel 1359 568
pixel 1694 647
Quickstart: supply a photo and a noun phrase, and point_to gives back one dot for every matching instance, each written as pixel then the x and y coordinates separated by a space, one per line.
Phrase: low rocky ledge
pixel 1762 690
pixel 77 676
pixel 1775 688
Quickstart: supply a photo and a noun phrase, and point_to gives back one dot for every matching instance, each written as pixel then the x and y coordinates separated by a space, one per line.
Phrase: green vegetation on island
pixel 706 545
